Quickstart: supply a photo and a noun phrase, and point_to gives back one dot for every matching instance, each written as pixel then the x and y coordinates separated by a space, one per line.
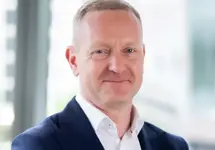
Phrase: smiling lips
pixel 116 81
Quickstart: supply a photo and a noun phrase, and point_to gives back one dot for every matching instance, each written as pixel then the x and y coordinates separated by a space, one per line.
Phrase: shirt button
pixel 117 140
pixel 136 132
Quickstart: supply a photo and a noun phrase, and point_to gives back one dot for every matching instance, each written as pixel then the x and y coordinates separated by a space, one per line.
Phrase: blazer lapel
pixel 76 132
pixel 149 139
pixel 144 140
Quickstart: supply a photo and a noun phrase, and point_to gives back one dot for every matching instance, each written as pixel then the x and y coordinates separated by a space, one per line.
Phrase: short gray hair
pixel 100 5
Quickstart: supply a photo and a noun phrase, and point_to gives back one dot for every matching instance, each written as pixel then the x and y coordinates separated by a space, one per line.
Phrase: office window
pixel 11 17
pixel 11 43
pixel 7 61
pixel 62 85
pixel 202 28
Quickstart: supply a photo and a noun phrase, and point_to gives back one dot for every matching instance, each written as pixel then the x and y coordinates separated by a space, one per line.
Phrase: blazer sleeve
pixel 27 142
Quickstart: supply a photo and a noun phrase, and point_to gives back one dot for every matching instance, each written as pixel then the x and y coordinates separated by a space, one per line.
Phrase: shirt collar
pixel 96 117
pixel 137 122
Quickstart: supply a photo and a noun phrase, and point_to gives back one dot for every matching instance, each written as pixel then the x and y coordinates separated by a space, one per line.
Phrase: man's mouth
pixel 116 81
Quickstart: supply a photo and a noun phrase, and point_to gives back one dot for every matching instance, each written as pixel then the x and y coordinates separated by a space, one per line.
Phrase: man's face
pixel 110 57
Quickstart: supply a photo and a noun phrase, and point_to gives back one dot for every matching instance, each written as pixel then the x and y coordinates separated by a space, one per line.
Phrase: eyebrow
pixel 100 43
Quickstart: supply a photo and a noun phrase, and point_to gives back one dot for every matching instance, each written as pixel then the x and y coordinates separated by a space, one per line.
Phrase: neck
pixel 122 118
pixel 121 115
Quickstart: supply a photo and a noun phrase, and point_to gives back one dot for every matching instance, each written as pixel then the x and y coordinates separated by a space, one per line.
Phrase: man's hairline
pixel 77 23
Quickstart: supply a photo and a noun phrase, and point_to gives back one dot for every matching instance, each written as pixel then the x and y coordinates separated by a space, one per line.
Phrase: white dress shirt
pixel 106 129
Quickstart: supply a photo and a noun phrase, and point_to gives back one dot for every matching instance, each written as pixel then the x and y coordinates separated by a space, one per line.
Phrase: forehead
pixel 110 23
pixel 107 16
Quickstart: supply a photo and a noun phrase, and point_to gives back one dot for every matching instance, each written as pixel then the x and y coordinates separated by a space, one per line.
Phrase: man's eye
pixel 130 50
pixel 101 51
pixel 99 54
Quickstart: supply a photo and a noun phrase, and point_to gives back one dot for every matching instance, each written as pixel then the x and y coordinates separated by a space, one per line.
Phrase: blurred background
pixel 178 92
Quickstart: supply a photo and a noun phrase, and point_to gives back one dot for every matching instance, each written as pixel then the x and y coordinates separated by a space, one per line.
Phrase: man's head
pixel 107 52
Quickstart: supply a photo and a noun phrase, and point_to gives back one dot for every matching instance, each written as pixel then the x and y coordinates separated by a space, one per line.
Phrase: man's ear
pixel 144 50
pixel 71 57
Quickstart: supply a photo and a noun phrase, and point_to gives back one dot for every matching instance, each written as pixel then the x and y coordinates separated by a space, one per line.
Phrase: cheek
pixel 94 69
pixel 138 70
pixel 137 65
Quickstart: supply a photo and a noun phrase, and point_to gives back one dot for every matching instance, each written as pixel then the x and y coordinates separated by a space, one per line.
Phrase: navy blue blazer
pixel 71 130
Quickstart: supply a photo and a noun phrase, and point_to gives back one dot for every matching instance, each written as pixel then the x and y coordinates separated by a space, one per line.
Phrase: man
pixel 108 56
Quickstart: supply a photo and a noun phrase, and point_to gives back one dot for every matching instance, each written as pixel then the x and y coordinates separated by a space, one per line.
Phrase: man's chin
pixel 119 98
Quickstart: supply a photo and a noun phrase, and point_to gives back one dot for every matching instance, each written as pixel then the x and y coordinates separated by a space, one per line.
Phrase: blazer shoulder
pixel 174 141
pixel 38 137
pixel 44 128
pixel 177 141
pixel 27 141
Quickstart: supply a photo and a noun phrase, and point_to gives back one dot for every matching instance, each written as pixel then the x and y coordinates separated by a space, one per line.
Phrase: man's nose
pixel 116 64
